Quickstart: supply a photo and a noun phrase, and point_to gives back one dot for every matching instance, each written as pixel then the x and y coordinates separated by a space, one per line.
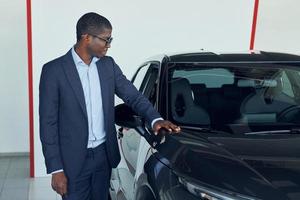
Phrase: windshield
pixel 217 95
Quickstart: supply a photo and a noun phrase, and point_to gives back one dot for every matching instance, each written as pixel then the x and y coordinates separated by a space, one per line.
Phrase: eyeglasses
pixel 107 41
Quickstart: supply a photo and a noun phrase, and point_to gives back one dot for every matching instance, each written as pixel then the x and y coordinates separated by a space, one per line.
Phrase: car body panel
pixel 264 171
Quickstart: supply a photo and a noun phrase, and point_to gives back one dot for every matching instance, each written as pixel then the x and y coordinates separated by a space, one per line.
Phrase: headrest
pixel 179 83
pixel 269 83
pixel 246 83
pixel 260 83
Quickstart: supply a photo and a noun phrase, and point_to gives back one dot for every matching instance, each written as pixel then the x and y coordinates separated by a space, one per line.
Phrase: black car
pixel 240 138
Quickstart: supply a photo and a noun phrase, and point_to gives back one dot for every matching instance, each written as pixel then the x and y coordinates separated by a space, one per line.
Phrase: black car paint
pixel 231 164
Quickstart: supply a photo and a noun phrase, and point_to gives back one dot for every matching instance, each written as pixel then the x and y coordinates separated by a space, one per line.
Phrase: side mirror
pixel 126 117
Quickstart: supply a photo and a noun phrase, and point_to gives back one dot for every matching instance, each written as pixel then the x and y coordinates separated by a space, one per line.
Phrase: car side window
pixel 144 80
pixel 138 78
pixel 151 83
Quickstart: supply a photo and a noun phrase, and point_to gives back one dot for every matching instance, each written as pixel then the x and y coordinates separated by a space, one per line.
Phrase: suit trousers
pixel 93 181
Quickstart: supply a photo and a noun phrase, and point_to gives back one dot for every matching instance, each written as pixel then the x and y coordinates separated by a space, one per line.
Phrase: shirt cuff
pixel 56 171
pixel 155 120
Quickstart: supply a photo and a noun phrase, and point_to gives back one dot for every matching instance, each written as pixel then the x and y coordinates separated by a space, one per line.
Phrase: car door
pixel 144 80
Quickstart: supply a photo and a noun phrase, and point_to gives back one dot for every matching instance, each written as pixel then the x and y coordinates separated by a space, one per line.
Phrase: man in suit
pixel 77 113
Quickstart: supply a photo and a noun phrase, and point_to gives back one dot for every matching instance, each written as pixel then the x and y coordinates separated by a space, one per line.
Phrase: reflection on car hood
pixel 266 167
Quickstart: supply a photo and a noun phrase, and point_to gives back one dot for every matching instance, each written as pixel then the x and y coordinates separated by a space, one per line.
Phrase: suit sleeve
pixel 48 111
pixel 132 97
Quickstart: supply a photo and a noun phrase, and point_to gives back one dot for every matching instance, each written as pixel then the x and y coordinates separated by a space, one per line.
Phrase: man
pixel 77 113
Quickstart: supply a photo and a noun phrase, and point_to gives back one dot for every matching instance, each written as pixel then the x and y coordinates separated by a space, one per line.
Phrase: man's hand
pixel 167 125
pixel 59 183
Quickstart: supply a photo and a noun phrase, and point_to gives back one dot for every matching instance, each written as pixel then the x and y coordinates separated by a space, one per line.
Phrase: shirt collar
pixel 78 60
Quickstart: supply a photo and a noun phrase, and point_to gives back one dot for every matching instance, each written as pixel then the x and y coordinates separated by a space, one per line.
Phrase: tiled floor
pixel 40 189
pixel 15 183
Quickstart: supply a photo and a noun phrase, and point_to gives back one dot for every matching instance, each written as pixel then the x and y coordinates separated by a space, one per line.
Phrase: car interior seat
pixel 265 102
pixel 183 107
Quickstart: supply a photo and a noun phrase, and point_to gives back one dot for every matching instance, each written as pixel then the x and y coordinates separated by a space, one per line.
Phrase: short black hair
pixel 92 23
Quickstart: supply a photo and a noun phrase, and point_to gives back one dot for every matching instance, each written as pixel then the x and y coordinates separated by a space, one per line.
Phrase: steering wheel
pixel 290 114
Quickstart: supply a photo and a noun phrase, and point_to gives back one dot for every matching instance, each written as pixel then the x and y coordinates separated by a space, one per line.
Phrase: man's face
pixel 99 44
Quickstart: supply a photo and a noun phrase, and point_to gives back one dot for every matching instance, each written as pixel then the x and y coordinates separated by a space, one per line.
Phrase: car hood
pixel 265 167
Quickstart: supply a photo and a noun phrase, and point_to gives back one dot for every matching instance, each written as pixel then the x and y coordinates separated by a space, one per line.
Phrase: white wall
pixel 14 131
pixel 141 29
pixel 278 27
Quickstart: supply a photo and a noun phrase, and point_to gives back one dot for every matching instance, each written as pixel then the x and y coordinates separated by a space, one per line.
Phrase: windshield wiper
pixel 204 130
pixel 275 132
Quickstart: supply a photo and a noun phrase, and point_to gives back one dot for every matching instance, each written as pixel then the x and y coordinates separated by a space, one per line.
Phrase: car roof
pixel 249 56
pixel 252 56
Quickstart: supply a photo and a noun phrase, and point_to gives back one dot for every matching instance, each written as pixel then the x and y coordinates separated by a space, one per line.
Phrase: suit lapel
pixel 74 79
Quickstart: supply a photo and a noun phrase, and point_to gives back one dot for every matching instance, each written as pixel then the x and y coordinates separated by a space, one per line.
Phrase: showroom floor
pixel 15 183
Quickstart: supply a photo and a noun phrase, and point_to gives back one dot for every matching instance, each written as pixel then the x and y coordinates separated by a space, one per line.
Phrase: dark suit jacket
pixel 63 115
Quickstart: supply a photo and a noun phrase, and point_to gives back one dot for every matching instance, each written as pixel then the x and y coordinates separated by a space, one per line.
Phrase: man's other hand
pixel 59 183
